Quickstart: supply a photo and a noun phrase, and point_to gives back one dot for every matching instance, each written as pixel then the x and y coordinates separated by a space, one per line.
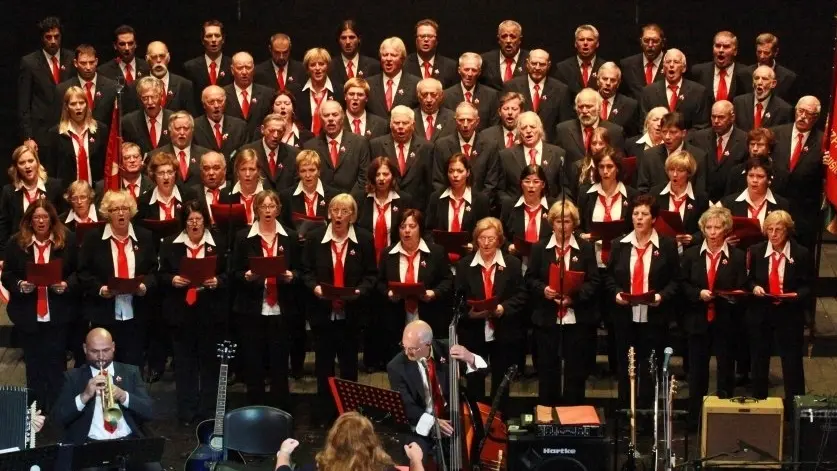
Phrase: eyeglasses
pixel 487 239
pixel 411 349
pixel 40 218
pixel 122 209
pixel 194 221
pixel 79 199
pixel 340 212
pixel 164 173
pixel 426 36
pixel 268 207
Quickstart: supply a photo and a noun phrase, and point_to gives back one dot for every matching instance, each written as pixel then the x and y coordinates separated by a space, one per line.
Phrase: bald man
pixel 410 379
pixel 79 407
pixel 247 100
pixel 762 107
pixel 676 93
pixel 178 93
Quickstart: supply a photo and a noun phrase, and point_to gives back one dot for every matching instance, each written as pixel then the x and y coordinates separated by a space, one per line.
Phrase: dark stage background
pixel 806 29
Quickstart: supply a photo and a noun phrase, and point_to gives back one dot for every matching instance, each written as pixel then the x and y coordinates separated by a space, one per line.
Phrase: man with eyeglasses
pixel 424 390
pixel 148 126
pixel 644 68
pixel 426 62
pixel 358 121
pixel 182 147
pixel 131 176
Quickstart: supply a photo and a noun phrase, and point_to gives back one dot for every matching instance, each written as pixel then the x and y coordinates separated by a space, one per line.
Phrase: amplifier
pixel 528 452
pixel 815 419
pixel 742 434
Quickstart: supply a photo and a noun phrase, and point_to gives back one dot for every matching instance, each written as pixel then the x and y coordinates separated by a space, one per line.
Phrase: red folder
pixel 628 168
pixel 782 296
pixel 523 247
pixel 198 270
pixel 572 280
pixel 82 228
pixel 731 293
pixel 305 224
pixel 335 293
pixel 268 266
pixel 162 229
pixel 124 285
pixel 643 298
pixel 226 214
pixel 748 231
pixel 453 242
pixel 479 305
pixel 406 290
pixel 606 231
pixel 45 274
pixel 669 224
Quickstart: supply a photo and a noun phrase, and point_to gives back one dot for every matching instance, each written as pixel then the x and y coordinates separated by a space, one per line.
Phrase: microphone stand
pixel 561 274
pixel 438 450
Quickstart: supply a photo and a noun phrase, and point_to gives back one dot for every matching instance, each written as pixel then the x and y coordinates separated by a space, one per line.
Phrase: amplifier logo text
pixel 559 451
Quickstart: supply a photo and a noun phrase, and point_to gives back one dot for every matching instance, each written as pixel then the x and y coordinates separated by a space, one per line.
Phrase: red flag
pixel 112 158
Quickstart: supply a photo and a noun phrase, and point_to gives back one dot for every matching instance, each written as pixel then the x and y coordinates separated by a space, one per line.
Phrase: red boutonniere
pixel 193 160
pixel 170 92
pixel 790 260
pixel 544 97
pixel 222 74
pixel 368 132
pixel 136 248
pixel 400 91
pixel 165 132
pixel 476 101
pixel 474 153
pixel 118 379
pixel 281 249
pixel 656 253
pixel 412 155
pixel 724 262
pixel 614 111
pixel 290 78
pixel 544 163
pixel 689 206
pixel 520 69
pixel 225 136
pixel 98 94
pixel 360 73
pixel 767 115
pixel 322 202
pixel 209 249
pixel 342 148
pixel 805 149
pixel 280 166
pixel 467 207
pixel 254 100
pixel 544 214
pixel 624 202
pixel 63 67
pixel 439 126
pixel 177 206
pixel 682 97
pixel 575 258
pixel 443 360
pixel 352 252
pixel 91 140
pixel 395 209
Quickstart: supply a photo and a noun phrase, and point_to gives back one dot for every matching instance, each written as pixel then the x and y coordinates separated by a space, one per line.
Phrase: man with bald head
pixel 433 121
pixel 280 72
pixel 178 93
pixel 216 130
pixel 424 390
pixel 574 135
pixel 725 146
pixel 762 108
pixel 724 78
pixel 505 63
pixel 617 108
pixel 484 98
pixel 546 96
pixel 247 100
pixel 580 70
pixel 79 407
pixel 676 93
pixel 393 86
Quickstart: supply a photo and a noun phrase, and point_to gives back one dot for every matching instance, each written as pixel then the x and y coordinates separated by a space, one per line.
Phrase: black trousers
pixel 335 339
pixel 377 333
pixel 76 335
pixel 644 337
pixel 788 335
pixel 159 341
pixel 297 331
pixel 722 339
pixel 575 343
pixel 196 375
pixel 500 355
pixel 607 311
pixel 266 337
pixel 44 353
pixel 129 337
pixel 741 349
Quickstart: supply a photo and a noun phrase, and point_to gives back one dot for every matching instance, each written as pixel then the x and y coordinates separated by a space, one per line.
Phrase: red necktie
pixel 152 132
pixel 719 149
pixel 797 151
pixel 410 304
pixel 247 201
pixel 280 78
pixel 605 108
pixel 339 282
pixel 42 308
pixel 532 225
pixel 184 166
pixel 402 162
pixel 216 194
pixel 509 72
pixel 129 77
pixel 109 427
pixel 672 102
pixel 132 187
pixel 427 72
pixel 536 98
pixel 455 206
pixel 333 152
pixel 677 203
pixel 775 282
pixel 121 257
pixel 722 85
pixel 509 139
pixel 164 97
pixel 350 73
pixel 56 70
pixel 561 259
pixel 755 211
pixel 83 169
pixel 588 135
pixel 428 131
pixel 638 276
pixel 88 91
pixel 213 73
pixel 649 73
pixel 219 139
pixel 710 278
pixel 310 205
pixel 271 291
pixel 585 73
pixel 468 97
pixel 192 292
pixel 388 94
pixel 533 156
pixel 757 115
pixel 30 198
pixel 245 104
pixel 381 229
pixel 436 390
pixel 271 162
pixel 608 217
pixel 316 122
pixel 488 287
pixel 356 124
pixel 466 149
pixel 168 209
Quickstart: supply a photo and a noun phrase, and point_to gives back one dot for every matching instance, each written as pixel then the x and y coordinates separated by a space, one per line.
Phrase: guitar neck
pixel 221 400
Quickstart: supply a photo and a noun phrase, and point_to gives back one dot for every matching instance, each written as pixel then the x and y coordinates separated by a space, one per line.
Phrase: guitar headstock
pixel 672 390
pixel 652 363
pixel 631 363
pixel 226 351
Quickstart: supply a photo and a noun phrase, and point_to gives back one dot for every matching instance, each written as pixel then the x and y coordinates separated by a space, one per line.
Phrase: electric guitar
pixel 633 461
pixel 210 433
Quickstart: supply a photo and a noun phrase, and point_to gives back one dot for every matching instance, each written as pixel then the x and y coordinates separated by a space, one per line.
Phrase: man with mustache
pixel 426 62
pixel 580 71
pixel 646 67
pixel 148 126
pixel 503 64
pixel 574 135
pixel 131 176
pixel 245 99
pixel 276 159
pixel 213 66
pixel 676 93
pixel 723 76
pixel 725 146
pixel 100 90
pixel 652 171
pixel 280 71
pixel 178 93
pixel 126 67
pixel 467 89
pixel 393 86
pixel 352 63
pixel 762 108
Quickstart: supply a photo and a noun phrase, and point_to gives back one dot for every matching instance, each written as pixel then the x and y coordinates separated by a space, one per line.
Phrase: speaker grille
pixel 760 430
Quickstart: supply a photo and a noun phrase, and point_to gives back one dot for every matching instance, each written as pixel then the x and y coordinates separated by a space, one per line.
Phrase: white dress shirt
pixel 123 303
pixel 47 252
pixel 267 309
pixel 426 421
pixel 72 216
pixel 716 79
pixel 768 254
pixel 501 264
pixel 341 246
pixel 793 140
pixel 569 317
pixel 156 197
pixel 38 192
pixel 538 153
pixel 158 125
pixel 654 69
pixel 97 424
pixel 466 204
pixel 640 312
pixel 679 91
pixel 599 212
pixel 376 212
pixel 402 270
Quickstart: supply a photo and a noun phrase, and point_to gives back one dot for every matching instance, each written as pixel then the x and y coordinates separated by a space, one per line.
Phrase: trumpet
pixel 110 409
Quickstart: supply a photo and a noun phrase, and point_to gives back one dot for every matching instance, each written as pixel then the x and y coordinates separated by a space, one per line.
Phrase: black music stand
pixel 43 456
pixel 118 453
pixel 377 404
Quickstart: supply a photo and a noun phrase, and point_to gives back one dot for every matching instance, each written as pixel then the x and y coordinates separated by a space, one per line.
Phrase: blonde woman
pixel 77 145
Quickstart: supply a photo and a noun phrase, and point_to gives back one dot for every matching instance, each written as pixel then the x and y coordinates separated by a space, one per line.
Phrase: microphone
pixel 668 352
pixel 746 447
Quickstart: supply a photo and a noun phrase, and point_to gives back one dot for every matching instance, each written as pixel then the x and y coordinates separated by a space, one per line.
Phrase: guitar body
pixel 209 451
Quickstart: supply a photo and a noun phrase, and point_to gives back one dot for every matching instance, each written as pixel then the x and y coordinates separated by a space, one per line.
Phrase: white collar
pixel 249 90
pixel 155 196
pixel 466 195
pixel 515 59
pixel 797 131
pixel 421 61
pixel 338 138
pixel 35 241
pixel 730 69
pixel 40 186
pixel 319 189
pixel 631 238
pixel 108 232
pixel 725 136
pixel 329 235
pixel 785 251
pixel 392 195
pixel 645 139
pixel 396 79
pixel 254 229
pixel 328 86
pixel 50 56
pixel 597 188
pixel 581 62
pixel 72 216
pixel 406 144
pixel 183 238
pixel 350 117
pixel 679 85
pixel 544 204
pixel 656 60
pixel 745 196
pixel 553 242
pixel 688 192
pixel 470 141
pixel 399 249
pixel 532 83
pixel 216 61
pixel 354 60
pixel 498 259
pixel 538 148
pixel 724 248
pixel 237 188
pixel 82 82
pixel 110 369
pixel 206 189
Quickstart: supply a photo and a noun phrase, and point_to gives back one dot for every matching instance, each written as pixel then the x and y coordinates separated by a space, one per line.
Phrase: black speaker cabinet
pixel 815 432
pixel 528 453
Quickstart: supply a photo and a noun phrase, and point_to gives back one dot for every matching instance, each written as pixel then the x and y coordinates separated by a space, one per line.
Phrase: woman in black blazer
pixel 29 183
pixel 339 250
pixel 247 173
pixel 642 326
pixel 195 311
pixel 124 315
pixel 531 207
pixel 42 314
pixel 76 146
pixel 498 333
pixel 709 319
pixel 165 201
pixel 778 266
pixel 757 200
pixel 565 326
pixel 679 196
pixel 296 134
pixel 319 89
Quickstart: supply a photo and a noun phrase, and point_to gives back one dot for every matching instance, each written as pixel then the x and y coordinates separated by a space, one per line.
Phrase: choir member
pixel 565 321
pixel 296 134
pixel 652 135
pixel 248 182
pixel 76 147
pixel 42 314
pixel 165 200
pixel 80 199
pixel 132 255
pixel 263 307
pixel 194 311
pixel 679 196
pixel 760 142
pixel 584 168
pixel 318 88
pixel 709 318
pixel 352 63
pixel 131 175
pixel 758 199
pixel 527 218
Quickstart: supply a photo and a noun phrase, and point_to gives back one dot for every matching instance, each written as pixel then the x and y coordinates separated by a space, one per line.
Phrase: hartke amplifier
pixel 528 452
pixel 815 432
pixel 742 434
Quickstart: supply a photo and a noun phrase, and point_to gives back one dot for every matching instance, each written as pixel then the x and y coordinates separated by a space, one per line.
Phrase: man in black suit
pixel 125 67
pixel 213 179
pixel 100 90
pixel 40 72
pixel 423 405
pixel 767 48
pixel 178 93
pixel 433 120
pixel 504 135
pixel 725 146
pixel 247 100
pixel 574 135
pixel 652 171
pixel 503 64
pixel 546 96
pixel 676 93
pixel 410 154
pixel 762 108
pixel 617 108
pixel 148 126
pixel 280 71
pixel 580 71
pixel 358 121
pixel 79 407
pixel 393 86
pixel 344 155
pixel 186 152
pixel 645 68
pixel 426 62
pixel 725 78
pixel 213 66
pixel 216 130
pixel 131 176
pixel 353 63
pixel 467 89
pixel 276 159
